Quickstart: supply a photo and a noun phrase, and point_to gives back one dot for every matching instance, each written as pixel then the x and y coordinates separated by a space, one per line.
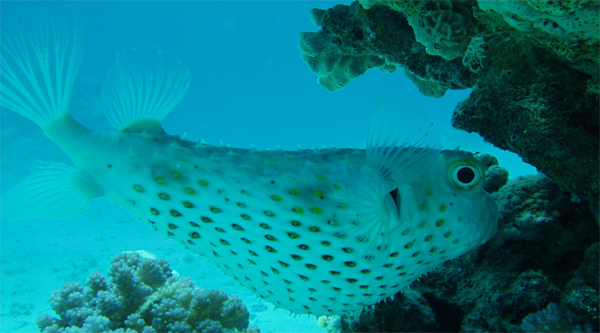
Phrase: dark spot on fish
pixel 269 213
pixel 189 241
pixel 293 235
pixel 138 188
pixel 224 242
pixel 188 204
pixel 170 234
pixel 399 268
pixel 271 238
pixel 237 227
pixel 402 274
pixel 311 266
pixel 283 264
pixel 172 226
pixel 296 223
pixel 246 217
pixel 194 235
pixel 327 257
pixel 336 289
pixel 206 219
pixel 215 210
pixel 163 196
pixel 253 253
pixel 264 275
pixel 194 224
pixel 303 247
pixel 388 265
pixel 264 226
pixel 347 250
pixel 367 295
pixel 274 270
pixel 364 287
pixel 251 262
pixel 109 166
pixel 190 191
pixel 314 229
pixel 365 271
pixel 175 213
pixel 233 253
pixel 325 243
pixel 379 278
pixel 247 241
pixel 272 182
pixel 395 254
pixel 334 273
pixel 296 257
pixel 350 263
pixel 220 230
pixel 270 249
pixel 325 282
pixel 351 281
pixel 289 283
pixel 304 278
pixel 153 211
pixel 305 307
pixel 241 205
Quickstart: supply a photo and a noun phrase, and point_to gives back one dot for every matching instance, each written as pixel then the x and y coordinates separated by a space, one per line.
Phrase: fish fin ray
pixel 41 55
pixel 53 190
pixel 142 88
pixel 402 145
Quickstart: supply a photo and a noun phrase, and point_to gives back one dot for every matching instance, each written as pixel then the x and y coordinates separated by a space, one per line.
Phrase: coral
pixel 143 295
pixel 554 319
pixel 536 96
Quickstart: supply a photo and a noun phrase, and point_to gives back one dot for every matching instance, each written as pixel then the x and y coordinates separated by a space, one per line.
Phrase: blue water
pixel 249 86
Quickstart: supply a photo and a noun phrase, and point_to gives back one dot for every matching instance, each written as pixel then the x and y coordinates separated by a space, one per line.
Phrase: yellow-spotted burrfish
pixel 324 231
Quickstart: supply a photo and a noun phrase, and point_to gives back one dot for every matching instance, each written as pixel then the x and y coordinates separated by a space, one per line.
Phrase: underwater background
pixel 249 86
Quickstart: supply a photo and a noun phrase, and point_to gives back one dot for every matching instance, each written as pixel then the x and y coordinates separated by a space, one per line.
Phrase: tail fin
pixel 41 55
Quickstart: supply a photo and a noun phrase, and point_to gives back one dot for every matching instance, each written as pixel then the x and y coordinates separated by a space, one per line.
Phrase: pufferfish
pixel 322 232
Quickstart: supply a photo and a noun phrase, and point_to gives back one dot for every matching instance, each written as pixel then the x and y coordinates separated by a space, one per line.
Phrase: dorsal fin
pixel 142 88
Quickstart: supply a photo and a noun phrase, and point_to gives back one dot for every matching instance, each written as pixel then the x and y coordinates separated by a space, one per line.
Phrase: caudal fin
pixel 41 55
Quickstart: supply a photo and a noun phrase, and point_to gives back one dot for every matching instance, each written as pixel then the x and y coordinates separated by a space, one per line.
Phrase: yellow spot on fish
pixel 337 186
pixel 320 176
pixel 275 198
pixel 442 208
pixel 298 210
pixel 294 192
pixel 161 180
pixel 203 182
pixel 439 223
pixel 177 174
pixel 190 191
pixel 163 196
pixel 428 191
pixel 317 193
pixel 138 188
pixel 316 211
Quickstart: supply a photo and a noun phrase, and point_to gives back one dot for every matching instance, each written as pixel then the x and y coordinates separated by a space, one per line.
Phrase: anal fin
pixel 54 190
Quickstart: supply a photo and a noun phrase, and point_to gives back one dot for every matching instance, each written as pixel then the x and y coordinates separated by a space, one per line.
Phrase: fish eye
pixel 466 175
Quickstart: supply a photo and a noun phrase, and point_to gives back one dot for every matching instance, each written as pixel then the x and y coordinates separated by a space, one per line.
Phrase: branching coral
pixel 142 295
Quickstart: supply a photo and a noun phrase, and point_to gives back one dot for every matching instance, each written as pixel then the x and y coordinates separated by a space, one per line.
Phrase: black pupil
pixel 465 175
